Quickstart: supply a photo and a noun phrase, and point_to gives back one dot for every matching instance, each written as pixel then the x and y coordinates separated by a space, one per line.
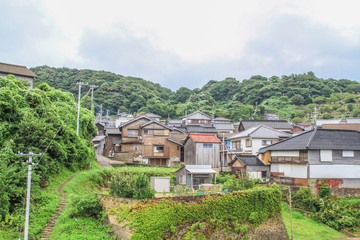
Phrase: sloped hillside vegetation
pixel 31 119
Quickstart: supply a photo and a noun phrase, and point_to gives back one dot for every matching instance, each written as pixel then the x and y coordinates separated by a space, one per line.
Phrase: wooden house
pixel 202 149
pixel 151 142
pixel 112 142
pixel 281 125
pixel 20 72
pixel 251 165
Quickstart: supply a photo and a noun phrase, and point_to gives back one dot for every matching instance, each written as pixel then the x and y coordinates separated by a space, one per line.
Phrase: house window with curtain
pixel 266 142
pixel 133 133
pixel 158 149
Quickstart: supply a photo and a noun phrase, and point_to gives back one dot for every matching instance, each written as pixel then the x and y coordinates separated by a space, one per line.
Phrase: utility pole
pixel 100 113
pixel 29 163
pixel 78 116
pixel 223 161
pixel 92 93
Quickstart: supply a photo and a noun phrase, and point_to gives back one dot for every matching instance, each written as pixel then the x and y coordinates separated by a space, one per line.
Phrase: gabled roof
pixel 112 130
pixel 204 138
pixel 134 120
pixel 319 139
pixel 248 160
pixel 16 70
pixel 260 131
pixel 197 115
pixel 155 122
pixel 276 124
pixel 224 126
pixel 201 129
pixel 152 115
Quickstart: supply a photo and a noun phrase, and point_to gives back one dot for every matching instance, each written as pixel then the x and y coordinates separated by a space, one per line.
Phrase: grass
pixel 74 228
pixel 307 228
pixel 47 203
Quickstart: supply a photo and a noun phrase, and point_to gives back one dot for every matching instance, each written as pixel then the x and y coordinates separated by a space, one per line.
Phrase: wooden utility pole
pixel 78 116
pixel 29 163
pixel 292 230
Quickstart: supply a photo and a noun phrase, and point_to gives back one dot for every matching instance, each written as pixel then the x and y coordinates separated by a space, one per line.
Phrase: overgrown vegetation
pixel 233 212
pixel 335 212
pixel 29 121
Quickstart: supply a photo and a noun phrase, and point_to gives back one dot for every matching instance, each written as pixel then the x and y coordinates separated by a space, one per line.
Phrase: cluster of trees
pixel 29 120
pixel 228 98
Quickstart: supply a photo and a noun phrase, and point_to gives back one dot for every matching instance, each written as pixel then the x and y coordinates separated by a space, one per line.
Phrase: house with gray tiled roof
pixel 317 154
pixel 281 125
pixel 252 139
pixel 250 165
pixel 20 72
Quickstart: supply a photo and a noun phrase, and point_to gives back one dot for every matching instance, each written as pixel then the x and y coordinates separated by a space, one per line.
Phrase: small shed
pixel 250 165
pixel 160 184
pixel 195 175
pixel 98 142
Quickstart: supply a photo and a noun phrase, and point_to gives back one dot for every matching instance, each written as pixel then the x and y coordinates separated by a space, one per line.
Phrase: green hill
pixel 228 98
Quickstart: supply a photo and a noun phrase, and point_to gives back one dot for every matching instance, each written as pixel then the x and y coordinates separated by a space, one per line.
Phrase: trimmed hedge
pixel 153 219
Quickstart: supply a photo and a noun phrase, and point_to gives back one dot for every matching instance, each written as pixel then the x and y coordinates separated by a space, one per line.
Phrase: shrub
pixel 142 187
pixel 87 205
pixel 305 200
pixel 325 191
pixel 236 183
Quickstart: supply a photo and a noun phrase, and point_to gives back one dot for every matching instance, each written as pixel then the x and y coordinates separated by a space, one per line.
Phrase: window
pixel 148 131
pixel 325 155
pixel 136 148
pixel 266 142
pixel 248 143
pixel 236 145
pixel 133 133
pixel 207 145
pixel 347 153
pixel 158 149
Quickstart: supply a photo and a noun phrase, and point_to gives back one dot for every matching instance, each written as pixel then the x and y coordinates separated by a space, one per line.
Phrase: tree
pixel 297 99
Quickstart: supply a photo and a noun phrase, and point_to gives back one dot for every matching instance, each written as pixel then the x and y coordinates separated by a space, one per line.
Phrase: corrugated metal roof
pixel 200 169
pixel 204 138
pixel 16 70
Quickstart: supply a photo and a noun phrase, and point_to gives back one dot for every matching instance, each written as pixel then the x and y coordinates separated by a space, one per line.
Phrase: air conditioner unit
pixel 140 137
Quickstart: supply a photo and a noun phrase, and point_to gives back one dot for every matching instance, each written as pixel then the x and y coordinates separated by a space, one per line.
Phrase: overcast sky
pixel 185 43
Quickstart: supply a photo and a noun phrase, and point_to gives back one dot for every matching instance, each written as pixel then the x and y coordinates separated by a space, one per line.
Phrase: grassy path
pixel 47 231
pixel 307 228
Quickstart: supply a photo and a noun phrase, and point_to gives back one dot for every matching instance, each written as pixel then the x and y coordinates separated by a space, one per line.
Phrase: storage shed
pixel 195 175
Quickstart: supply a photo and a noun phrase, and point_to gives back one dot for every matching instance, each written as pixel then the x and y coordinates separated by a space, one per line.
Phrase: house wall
pixel 290 170
pixel 285 153
pixel 337 158
pixel 190 152
pixel 260 169
pixel 27 79
pixel 207 156
pixel 181 172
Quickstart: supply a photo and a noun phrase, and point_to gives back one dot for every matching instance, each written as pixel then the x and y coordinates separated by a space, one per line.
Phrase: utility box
pixel 160 184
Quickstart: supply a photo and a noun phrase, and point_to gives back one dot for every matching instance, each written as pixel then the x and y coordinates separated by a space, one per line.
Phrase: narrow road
pixel 47 231
pixel 104 161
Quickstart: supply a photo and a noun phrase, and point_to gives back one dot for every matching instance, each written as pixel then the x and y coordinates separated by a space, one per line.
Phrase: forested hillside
pixel 230 98
pixel 40 120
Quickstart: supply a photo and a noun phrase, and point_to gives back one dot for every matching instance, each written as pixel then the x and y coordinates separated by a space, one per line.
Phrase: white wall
pixel 334 171
pixel 290 170
pixel 285 153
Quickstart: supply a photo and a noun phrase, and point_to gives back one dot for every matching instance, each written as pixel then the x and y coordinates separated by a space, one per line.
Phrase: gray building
pixel 20 72
pixel 316 154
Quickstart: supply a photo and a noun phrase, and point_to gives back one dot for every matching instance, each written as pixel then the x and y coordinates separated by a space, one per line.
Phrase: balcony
pixel 294 160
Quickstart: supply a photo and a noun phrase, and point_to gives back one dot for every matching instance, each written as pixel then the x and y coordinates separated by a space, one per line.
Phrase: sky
pixel 185 43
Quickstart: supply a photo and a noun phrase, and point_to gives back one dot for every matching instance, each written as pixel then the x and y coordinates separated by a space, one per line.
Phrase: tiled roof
pixel 277 124
pixel 199 113
pixel 155 122
pixel 201 129
pixel 204 138
pixel 260 131
pixel 317 139
pixel 112 130
pixel 152 115
pixel 16 70
pixel 249 160
pixel 224 126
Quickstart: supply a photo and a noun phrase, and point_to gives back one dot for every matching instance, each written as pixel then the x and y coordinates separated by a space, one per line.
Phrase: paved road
pixel 103 161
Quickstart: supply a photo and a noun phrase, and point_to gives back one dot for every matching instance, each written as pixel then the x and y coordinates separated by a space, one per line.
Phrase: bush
pixel 325 191
pixel 142 187
pixel 236 183
pixel 305 200
pixel 87 205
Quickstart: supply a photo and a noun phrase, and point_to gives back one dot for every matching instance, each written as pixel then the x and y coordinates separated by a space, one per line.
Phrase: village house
pixel 249 141
pixel 281 125
pixel 20 72
pixel 250 165
pixel 195 175
pixel 112 141
pixel 317 154
pixel 223 125
pixel 151 142
pixel 202 149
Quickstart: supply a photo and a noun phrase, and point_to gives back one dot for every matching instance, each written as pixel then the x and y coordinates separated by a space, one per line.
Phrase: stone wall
pixel 112 202
pixel 128 156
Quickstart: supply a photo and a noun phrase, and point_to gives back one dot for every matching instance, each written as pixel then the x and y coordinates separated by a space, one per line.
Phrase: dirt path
pixel 104 161
pixel 47 231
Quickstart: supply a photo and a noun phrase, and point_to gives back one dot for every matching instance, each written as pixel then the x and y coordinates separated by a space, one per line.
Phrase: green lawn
pixel 307 228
